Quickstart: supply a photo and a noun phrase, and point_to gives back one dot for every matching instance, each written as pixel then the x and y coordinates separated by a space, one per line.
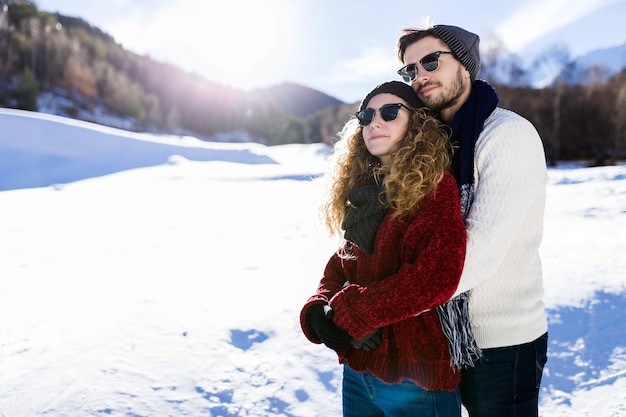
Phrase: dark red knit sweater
pixel 415 267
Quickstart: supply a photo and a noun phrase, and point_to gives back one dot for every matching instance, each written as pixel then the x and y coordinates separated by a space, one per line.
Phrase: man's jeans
pixel 364 395
pixel 505 383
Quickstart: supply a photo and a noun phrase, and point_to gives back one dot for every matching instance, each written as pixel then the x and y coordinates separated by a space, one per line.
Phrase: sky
pixel 341 48
pixel 172 285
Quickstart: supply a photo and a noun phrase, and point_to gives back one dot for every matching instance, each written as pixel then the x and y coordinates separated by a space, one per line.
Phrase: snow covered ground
pixel 159 276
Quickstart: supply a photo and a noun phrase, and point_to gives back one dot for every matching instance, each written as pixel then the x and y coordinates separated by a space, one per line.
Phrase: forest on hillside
pixel 44 52
pixel 576 122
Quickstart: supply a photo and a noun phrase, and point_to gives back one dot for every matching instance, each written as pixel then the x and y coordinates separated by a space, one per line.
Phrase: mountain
pixel 76 70
pixel 554 64
pixel 595 67
pixel 296 99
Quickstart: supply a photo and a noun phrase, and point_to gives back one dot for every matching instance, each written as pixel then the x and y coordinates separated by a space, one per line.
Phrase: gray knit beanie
pixel 464 44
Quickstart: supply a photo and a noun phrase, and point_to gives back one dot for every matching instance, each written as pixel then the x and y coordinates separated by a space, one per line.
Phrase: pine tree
pixel 26 93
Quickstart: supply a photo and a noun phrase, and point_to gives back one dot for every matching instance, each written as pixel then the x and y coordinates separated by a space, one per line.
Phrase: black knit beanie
pixel 464 44
pixel 397 88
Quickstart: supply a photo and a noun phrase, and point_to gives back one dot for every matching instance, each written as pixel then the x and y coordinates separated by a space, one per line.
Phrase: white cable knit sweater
pixel 505 224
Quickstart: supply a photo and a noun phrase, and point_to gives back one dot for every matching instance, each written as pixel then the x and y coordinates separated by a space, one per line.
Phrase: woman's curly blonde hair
pixel 417 166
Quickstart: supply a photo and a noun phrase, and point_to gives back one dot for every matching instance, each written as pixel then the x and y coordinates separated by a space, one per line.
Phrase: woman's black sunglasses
pixel 430 63
pixel 388 112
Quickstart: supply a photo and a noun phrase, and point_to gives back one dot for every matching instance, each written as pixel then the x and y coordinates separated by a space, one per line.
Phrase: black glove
pixel 369 342
pixel 320 319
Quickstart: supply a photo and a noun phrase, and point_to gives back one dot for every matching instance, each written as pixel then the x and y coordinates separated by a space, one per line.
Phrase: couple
pixel 441 210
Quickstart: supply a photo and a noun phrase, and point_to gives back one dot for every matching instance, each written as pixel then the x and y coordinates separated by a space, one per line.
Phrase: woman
pixel 402 256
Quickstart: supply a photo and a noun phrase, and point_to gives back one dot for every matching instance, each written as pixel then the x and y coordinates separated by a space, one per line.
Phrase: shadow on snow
pixel 585 342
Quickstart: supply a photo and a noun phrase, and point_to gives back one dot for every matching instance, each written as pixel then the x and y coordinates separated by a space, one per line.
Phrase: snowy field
pixel 149 276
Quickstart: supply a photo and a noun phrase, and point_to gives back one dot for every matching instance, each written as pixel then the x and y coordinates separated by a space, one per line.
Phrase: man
pixel 501 172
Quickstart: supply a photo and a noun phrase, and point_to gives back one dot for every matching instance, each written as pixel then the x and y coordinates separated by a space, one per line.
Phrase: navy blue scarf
pixel 466 126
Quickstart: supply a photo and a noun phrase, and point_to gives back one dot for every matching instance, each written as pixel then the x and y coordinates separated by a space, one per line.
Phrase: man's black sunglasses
pixel 388 112
pixel 430 63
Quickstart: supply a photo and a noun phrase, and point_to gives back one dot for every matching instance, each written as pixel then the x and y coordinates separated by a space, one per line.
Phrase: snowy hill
pixel 596 66
pixel 36 153
pixel 552 65
pixel 166 275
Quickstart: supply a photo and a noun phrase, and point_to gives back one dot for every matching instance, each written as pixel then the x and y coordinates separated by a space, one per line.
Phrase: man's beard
pixel 450 96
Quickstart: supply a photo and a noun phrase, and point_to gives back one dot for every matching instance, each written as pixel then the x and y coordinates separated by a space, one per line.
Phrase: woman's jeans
pixel 364 395
pixel 505 383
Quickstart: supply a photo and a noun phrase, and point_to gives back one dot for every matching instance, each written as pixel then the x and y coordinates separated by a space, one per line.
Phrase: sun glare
pixel 238 43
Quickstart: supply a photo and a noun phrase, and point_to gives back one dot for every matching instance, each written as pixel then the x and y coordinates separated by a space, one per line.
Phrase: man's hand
pixel 369 342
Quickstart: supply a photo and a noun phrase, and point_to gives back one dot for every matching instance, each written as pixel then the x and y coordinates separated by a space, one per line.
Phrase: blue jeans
pixel 505 383
pixel 364 395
